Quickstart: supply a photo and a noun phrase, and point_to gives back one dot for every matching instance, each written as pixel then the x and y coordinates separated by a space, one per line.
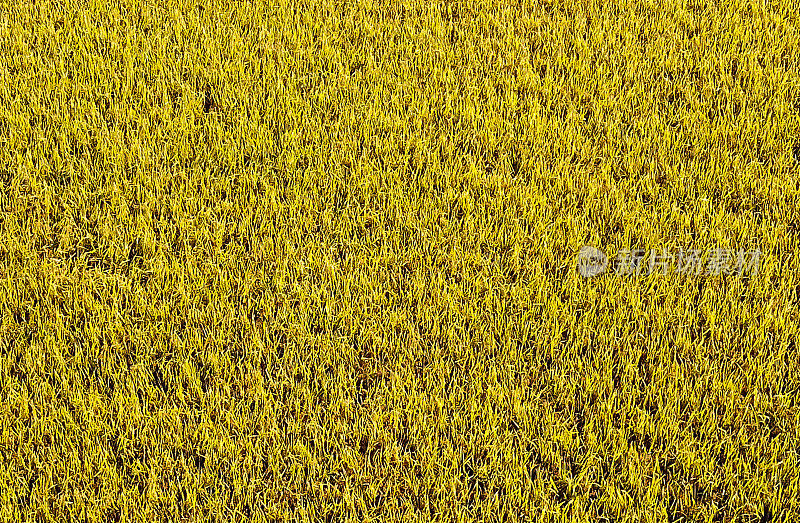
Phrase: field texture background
pixel 315 260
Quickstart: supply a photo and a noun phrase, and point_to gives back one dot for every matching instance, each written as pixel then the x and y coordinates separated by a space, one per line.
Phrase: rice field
pixel 320 261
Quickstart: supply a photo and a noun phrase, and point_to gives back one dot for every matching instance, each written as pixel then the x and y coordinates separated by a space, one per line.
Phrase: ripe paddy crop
pixel 316 260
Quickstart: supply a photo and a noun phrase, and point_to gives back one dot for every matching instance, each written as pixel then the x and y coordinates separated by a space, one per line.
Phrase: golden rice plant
pixel 315 261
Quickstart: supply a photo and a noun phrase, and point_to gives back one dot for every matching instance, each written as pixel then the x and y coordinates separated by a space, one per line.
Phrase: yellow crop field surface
pixel 400 260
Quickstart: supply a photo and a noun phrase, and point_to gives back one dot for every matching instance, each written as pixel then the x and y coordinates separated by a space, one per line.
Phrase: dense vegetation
pixel 316 260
